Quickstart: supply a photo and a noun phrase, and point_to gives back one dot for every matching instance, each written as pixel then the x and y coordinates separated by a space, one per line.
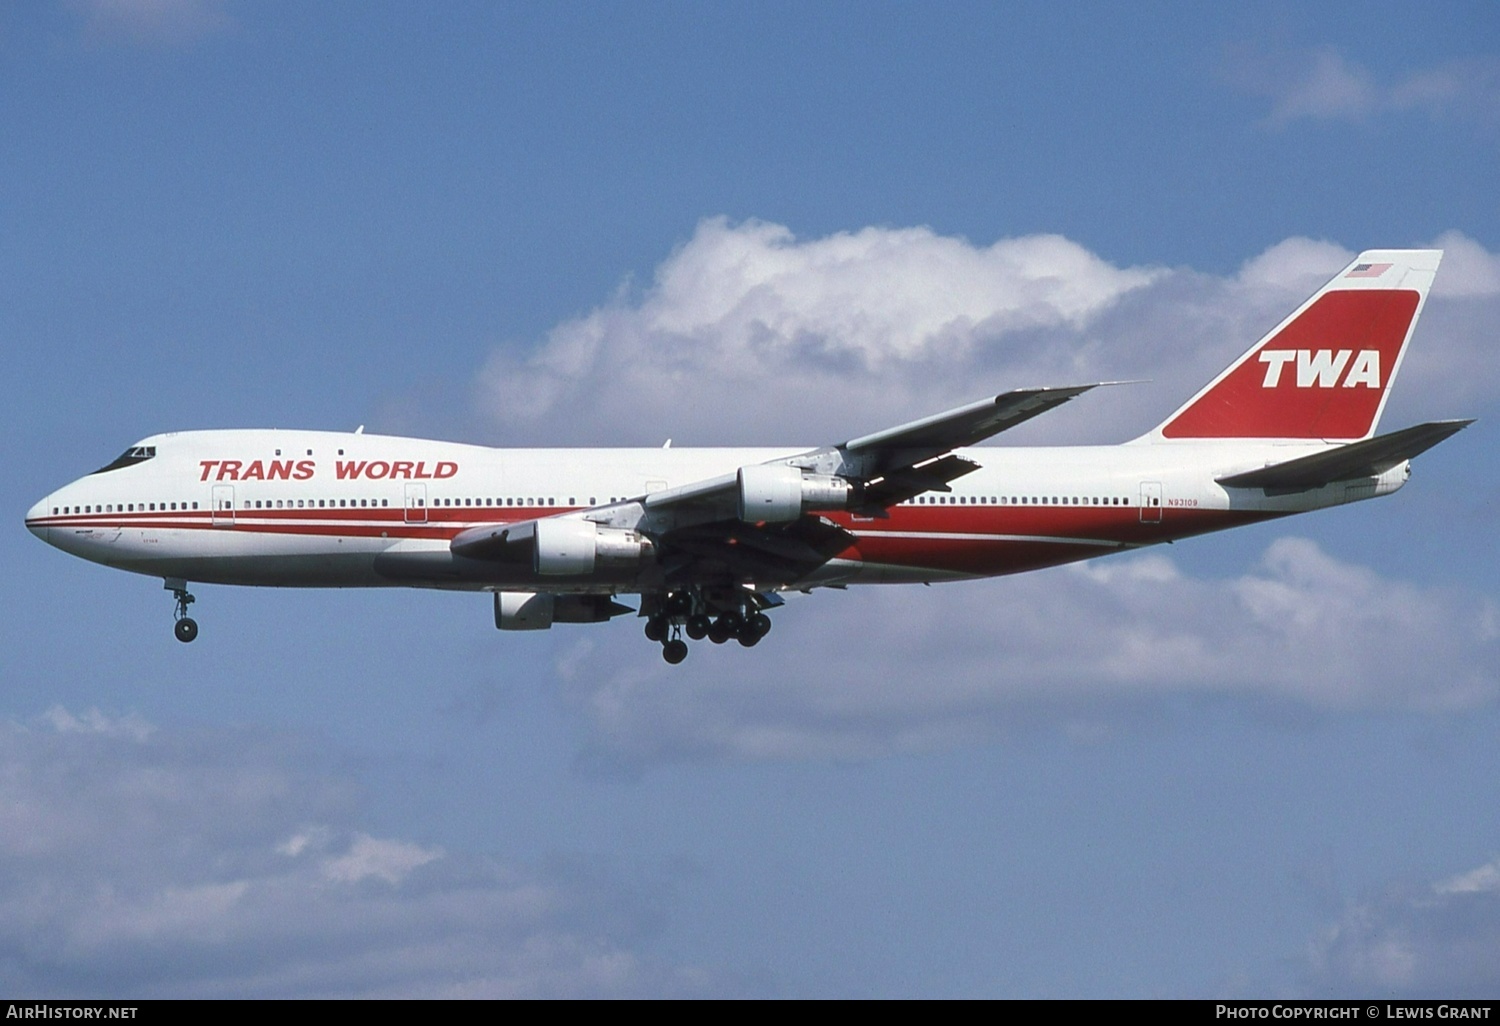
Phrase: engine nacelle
pixel 580 547
pixel 777 493
pixel 537 611
pixel 523 610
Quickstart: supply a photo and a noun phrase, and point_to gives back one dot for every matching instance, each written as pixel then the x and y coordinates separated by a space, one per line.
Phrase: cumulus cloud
pixel 1323 85
pixel 163 863
pixel 1468 271
pixel 966 663
pixel 746 329
pixel 1438 941
pixel 1297 264
pixel 748 335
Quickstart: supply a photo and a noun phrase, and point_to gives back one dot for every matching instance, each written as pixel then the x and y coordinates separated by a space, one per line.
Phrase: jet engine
pixel 776 492
pixel 580 547
pixel 538 611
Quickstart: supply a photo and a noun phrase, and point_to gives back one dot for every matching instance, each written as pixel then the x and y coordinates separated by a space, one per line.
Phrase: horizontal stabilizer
pixel 1369 458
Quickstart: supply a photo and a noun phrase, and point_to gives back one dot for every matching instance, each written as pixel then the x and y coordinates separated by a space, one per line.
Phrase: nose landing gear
pixel 185 628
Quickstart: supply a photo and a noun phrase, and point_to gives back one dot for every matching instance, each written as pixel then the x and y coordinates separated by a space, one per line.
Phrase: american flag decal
pixel 1368 270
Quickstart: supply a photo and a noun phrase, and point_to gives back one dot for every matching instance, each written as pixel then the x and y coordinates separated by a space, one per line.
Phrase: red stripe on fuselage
pixel 979 540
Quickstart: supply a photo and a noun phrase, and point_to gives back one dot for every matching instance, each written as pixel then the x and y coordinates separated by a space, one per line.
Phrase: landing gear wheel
pixel 698 626
pixel 656 629
pixel 762 624
pixel 748 635
pixel 674 651
pixel 186 628
pixel 721 631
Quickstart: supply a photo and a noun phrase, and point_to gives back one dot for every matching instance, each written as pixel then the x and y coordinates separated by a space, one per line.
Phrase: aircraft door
pixel 1150 502
pixel 222 508
pixel 416 504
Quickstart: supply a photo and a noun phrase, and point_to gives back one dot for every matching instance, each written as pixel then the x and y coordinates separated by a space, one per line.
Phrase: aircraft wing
pixel 767 554
pixel 760 523
pixel 920 440
pixel 893 465
pixel 1369 458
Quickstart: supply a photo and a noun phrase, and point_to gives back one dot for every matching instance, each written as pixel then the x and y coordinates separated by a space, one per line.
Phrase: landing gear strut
pixel 718 616
pixel 186 628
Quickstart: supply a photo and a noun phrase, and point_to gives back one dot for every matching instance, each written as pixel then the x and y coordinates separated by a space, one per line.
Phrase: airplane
pixel 710 539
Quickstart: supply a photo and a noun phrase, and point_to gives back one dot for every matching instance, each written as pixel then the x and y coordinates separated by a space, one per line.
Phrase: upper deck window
pixel 130 457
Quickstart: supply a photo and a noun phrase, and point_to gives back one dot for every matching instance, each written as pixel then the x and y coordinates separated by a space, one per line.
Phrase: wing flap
pixel 765 553
pixel 1369 458
pixel 908 482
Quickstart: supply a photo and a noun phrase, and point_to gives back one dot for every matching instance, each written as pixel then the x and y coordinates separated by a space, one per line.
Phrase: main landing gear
pixel 186 628
pixel 717 619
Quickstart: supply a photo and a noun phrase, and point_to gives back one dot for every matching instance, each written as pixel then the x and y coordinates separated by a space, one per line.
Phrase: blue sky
pixel 607 224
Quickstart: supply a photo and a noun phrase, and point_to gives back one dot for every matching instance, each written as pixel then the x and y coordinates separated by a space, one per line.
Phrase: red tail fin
pixel 1325 372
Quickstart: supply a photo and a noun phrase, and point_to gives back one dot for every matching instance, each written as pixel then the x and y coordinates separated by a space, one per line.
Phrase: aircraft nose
pixel 36 519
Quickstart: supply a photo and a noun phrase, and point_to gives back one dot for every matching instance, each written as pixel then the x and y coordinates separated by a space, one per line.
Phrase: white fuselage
pixel 311 508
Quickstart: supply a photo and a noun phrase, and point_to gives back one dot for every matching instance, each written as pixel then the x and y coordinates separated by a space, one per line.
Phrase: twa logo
pixel 1323 368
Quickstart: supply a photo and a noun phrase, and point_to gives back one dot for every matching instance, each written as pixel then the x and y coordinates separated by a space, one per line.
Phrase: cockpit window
pixel 130 457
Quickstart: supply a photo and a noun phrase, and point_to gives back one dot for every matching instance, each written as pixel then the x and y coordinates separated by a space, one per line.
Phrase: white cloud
pixel 750 336
pixel 1484 879
pixel 369 856
pixel 94 721
pixel 1468 86
pixel 152 22
pixel 1468 269
pixel 1295 265
pixel 1328 88
pixel 1441 941
pixel 747 327
pixel 1322 85
pixel 882 671
pixel 173 864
